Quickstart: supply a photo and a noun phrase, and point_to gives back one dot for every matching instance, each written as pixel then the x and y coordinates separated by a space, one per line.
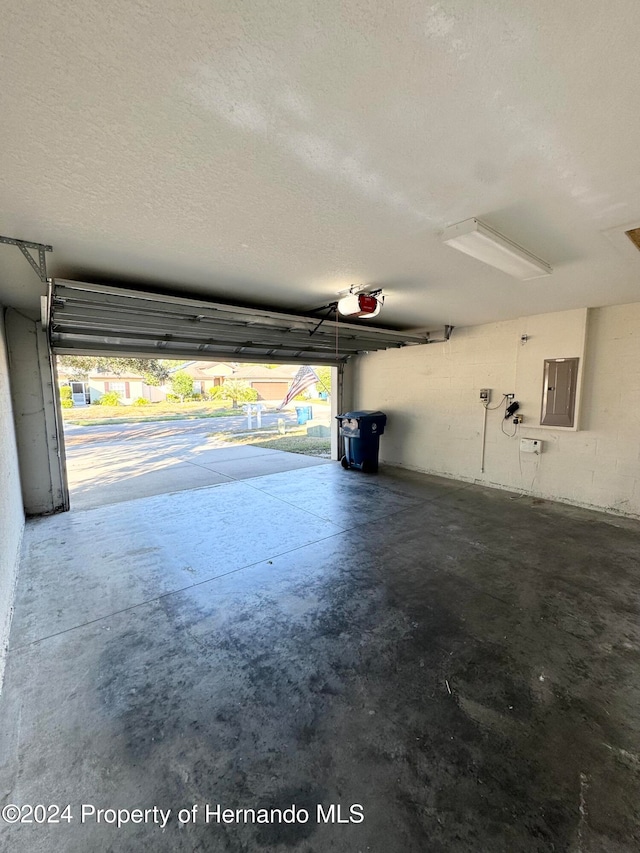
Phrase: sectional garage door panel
pixel 100 319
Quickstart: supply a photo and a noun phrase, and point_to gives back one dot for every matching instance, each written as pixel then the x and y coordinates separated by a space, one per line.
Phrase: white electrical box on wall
pixel 530 445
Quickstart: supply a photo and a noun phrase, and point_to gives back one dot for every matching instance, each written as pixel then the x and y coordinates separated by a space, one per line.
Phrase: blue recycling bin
pixel 304 414
pixel 361 432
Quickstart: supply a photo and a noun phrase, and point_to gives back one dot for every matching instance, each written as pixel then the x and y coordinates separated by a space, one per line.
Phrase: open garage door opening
pixel 165 393
pixel 141 427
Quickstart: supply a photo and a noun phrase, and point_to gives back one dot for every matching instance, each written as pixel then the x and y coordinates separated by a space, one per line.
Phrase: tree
pixel 154 371
pixel 181 384
pixel 79 366
pixel 237 391
pixel 324 375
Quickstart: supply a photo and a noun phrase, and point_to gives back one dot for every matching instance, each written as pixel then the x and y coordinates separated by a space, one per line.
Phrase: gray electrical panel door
pixel 559 392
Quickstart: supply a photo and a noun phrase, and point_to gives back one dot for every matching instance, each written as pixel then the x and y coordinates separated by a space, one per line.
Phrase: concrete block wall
pixel 34 398
pixel 11 512
pixel 431 395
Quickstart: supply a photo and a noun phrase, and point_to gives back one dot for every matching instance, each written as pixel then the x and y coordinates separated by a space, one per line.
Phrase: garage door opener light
pixel 359 304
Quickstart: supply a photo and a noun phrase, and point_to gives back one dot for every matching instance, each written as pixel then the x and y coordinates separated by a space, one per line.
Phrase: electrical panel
pixel 559 392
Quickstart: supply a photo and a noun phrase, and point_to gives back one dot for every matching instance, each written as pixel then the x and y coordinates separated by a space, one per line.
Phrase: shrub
pixel 237 392
pixel 141 401
pixel 215 393
pixel 110 398
pixel 66 403
pixel 65 392
pixel 195 397
pixel 173 398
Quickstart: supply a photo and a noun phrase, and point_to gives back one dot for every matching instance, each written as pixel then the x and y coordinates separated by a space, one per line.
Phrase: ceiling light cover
pixel 483 243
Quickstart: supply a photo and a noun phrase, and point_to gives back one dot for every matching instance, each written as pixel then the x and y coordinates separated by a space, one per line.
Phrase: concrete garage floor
pixel 462 662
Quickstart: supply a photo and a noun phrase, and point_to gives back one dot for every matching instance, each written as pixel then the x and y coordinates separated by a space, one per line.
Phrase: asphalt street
pixel 77 435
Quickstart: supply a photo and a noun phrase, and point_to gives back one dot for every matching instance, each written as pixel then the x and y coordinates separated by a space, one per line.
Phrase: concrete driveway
pixel 110 464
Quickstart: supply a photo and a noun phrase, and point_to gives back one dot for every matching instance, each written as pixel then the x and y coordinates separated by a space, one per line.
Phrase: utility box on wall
pixel 559 392
pixel 558 338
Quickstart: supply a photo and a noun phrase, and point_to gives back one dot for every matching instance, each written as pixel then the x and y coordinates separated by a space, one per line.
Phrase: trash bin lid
pixel 363 414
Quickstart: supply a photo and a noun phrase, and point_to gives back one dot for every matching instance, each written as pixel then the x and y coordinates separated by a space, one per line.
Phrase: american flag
pixel 304 377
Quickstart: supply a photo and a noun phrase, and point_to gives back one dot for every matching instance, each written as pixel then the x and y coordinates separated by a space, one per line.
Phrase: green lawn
pixel 296 441
pixel 100 415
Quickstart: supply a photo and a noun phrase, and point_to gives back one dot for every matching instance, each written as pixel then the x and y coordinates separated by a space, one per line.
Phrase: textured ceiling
pixel 274 153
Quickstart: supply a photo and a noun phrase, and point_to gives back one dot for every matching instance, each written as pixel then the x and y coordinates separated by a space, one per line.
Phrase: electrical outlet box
pixel 485 394
pixel 530 445
pixel 518 419
pixel 509 396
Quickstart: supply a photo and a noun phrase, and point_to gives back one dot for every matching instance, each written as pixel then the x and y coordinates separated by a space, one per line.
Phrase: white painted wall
pixel 431 395
pixel 11 513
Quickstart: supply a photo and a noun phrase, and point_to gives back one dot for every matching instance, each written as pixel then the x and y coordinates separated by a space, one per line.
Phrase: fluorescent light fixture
pixel 483 243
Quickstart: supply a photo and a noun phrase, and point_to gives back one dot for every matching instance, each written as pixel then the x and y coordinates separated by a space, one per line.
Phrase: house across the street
pixel 129 387
pixel 206 375
pixel 270 383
